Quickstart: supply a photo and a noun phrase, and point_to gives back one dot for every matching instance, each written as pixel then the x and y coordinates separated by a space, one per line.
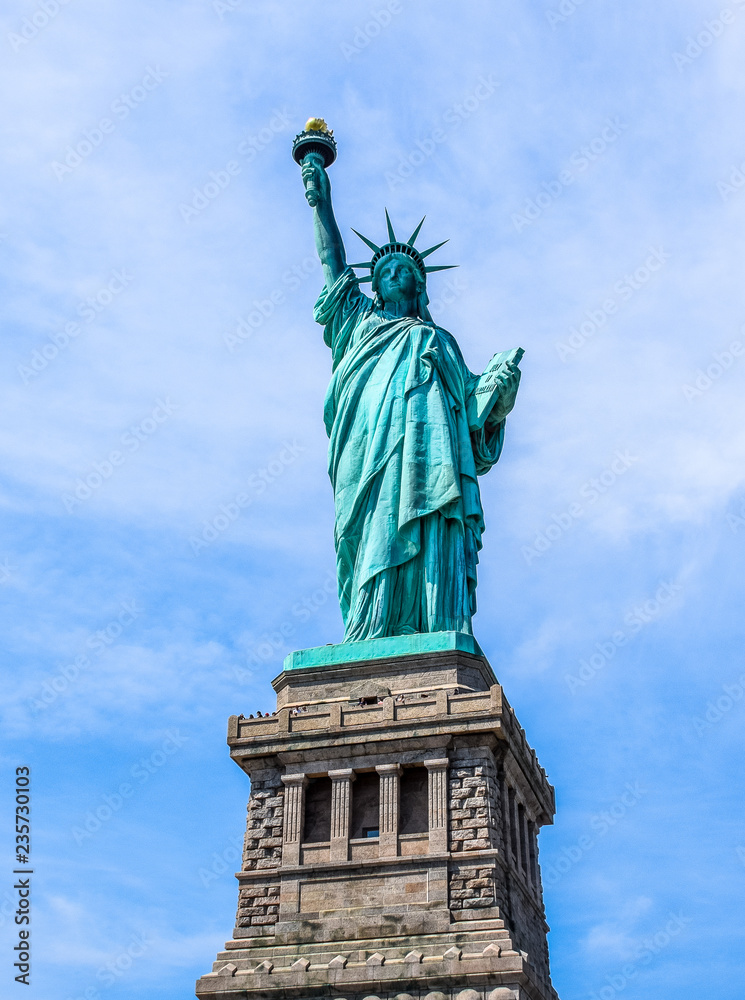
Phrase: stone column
pixel 504 797
pixel 390 797
pixel 438 805
pixel 341 812
pixel 292 832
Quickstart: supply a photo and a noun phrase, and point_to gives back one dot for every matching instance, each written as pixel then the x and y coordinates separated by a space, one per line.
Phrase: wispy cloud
pixel 217 318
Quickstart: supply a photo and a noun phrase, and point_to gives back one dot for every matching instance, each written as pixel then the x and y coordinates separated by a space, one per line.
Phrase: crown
pixel 396 246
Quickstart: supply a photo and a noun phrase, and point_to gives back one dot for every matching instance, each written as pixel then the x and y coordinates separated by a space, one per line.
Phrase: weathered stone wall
pixel 528 928
pixel 475 807
pixel 473 887
pixel 258 903
pixel 263 844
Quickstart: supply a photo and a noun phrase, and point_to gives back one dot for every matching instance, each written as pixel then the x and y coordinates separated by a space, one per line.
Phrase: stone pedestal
pixel 391 847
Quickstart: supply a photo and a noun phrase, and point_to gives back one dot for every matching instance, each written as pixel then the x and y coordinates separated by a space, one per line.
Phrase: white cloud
pixel 163 337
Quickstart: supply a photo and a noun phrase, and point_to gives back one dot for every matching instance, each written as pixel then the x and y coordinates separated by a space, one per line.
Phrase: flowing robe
pixel 403 464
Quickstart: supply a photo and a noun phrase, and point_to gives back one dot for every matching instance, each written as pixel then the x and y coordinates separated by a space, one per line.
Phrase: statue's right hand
pixel 317 184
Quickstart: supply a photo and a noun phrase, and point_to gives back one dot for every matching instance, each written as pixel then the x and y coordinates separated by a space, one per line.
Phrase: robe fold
pixel 403 464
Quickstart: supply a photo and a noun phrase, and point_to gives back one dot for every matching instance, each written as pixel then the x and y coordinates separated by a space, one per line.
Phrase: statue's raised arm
pixel 314 150
pixel 329 244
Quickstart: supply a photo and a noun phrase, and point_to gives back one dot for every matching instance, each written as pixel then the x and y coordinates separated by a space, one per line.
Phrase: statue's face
pixel 396 280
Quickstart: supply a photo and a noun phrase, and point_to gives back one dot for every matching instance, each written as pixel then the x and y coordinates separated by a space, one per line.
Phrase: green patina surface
pixel 380 649
pixel 411 430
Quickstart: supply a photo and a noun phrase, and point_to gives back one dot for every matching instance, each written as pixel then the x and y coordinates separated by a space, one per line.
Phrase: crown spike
pixel 391 234
pixel 365 263
pixel 440 267
pixel 373 247
pixel 426 253
pixel 412 239
pixel 367 277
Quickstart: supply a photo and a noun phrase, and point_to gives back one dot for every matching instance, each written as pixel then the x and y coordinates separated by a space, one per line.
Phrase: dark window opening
pixel 365 804
pixel 521 828
pixel 317 824
pixel 511 820
pixel 532 845
pixel 371 831
pixel 414 807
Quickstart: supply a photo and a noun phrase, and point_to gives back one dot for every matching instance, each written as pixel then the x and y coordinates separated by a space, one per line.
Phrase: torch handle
pixel 311 191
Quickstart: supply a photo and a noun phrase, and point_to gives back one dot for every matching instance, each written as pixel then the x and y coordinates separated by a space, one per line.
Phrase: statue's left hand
pixel 510 381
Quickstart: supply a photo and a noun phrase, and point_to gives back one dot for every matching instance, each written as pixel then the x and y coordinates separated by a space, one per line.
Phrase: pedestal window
pixel 365 806
pixel 317 824
pixel 414 801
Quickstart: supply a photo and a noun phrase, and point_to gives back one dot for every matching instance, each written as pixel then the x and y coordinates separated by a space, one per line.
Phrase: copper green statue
pixel 411 429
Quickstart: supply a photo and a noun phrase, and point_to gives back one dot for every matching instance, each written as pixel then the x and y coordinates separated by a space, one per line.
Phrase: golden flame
pixel 316 125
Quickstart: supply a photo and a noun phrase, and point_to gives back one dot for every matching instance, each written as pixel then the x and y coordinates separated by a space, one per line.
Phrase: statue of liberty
pixel 410 431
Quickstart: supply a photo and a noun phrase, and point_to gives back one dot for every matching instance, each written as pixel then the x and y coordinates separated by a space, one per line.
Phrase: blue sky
pixel 587 162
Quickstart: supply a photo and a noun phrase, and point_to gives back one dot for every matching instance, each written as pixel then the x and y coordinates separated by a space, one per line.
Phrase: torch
pixel 316 145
